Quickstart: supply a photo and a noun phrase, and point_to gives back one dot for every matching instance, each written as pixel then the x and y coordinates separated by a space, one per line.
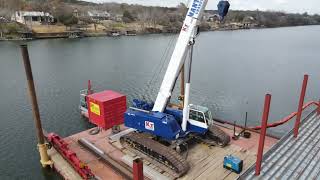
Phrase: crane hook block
pixel 223 8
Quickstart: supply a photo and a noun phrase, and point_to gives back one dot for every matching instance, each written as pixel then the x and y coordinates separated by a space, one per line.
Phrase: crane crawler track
pixel 164 157
pixel 215 136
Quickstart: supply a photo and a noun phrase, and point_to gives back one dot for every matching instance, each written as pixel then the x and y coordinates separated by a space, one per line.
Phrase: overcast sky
pixel 310 6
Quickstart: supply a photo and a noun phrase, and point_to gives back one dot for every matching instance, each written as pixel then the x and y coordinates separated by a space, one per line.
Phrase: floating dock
pixel 205 161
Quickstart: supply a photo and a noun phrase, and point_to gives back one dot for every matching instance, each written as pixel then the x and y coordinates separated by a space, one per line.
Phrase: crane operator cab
pixel 200 116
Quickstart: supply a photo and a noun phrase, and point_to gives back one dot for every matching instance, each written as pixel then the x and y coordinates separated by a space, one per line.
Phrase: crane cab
pixel 200 118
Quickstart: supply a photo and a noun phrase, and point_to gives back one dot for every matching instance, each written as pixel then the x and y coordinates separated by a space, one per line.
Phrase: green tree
pixel 64 15
pixel 68 20
pixel 127 17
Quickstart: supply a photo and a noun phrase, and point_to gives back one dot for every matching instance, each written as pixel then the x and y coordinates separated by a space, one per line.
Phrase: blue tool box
pixel 233 163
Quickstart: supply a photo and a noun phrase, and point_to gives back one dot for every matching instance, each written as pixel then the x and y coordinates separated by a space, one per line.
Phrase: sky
pixel 300 6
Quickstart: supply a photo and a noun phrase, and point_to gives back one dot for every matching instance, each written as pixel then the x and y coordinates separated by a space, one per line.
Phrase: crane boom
pixel 192 19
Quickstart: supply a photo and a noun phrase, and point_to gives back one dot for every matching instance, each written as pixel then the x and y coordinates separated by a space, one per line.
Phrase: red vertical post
pixel 89 87
pixel 318 109
pixel 137 169
pixel 301 101
pixel 263 132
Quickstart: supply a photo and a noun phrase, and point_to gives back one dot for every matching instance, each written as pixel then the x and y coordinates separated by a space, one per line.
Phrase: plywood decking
pixel 207 162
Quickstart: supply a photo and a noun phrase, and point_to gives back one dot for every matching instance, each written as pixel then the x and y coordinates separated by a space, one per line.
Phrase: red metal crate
pixel 106 109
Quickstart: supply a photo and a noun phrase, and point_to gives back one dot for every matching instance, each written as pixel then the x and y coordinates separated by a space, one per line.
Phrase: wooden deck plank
pixel 148 171
pixel 216 155
pixel 247 163
pixel 216 171
pixel 242 155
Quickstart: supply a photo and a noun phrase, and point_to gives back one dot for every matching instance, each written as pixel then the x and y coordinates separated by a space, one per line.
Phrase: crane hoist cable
pixel 161 63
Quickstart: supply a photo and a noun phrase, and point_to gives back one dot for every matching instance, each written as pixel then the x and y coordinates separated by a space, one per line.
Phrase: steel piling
pixel 44 157
pixel 300 106
pixel 263 131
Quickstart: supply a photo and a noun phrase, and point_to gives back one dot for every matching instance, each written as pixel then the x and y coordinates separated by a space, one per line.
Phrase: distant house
pixel 99 15
pixel 117 17
pixel 76 13
pixel 213 18
pixel 26 17
pixel 3 20
pixel 249 19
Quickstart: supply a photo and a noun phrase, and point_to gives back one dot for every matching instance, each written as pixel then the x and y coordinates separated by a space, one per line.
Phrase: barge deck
pixel 205 161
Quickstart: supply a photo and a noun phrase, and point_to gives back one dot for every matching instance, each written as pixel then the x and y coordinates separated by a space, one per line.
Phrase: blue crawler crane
pixel 163 132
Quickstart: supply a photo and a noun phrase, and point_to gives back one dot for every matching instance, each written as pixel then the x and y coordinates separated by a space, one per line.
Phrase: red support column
pixel 89 87
pixel 318 109
pixel 301 101
pixel 263 132
pixel 137 169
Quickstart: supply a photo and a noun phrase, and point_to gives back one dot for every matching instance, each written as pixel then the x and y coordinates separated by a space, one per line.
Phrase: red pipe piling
pixel 300 106
pixel 263 132
pixel 318 109
pixel 89 87
pixel 137 169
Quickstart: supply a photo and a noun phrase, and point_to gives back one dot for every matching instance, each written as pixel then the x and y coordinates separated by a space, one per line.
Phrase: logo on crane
pixel 149 125
pixel 195 8
pixel 185 27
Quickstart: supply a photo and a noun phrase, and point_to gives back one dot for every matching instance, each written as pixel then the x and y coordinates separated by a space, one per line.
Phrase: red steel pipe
pixel 137 169
pixel 89 87
pixel 263 131
pixel 318 109
pixel 301 101
pixel 276 123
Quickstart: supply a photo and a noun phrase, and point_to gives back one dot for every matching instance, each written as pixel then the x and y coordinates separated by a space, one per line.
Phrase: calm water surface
pixel 232 71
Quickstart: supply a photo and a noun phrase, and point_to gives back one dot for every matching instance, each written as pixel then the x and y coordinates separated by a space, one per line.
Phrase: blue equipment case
pixel 233 163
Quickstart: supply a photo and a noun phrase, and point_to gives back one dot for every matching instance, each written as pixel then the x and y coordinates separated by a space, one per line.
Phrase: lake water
pixel 232 71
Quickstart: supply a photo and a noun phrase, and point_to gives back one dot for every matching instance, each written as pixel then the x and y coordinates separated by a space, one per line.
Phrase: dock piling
pixel 263 131
pixel 137 169
pixel 44 157
pixel 318 108
pixel 89 87
pixel 300 106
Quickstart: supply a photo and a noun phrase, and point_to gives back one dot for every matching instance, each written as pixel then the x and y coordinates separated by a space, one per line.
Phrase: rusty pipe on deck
pixel 126 174
pixel 42 147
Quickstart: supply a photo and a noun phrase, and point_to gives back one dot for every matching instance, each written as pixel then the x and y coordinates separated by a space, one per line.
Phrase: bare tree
pixel 14 5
